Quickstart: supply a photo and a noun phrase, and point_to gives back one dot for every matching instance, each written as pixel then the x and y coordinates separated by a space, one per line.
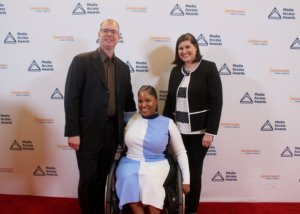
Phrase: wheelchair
pixel 174 200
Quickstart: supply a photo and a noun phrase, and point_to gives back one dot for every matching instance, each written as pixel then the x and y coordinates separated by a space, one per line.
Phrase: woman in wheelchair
pixel 142 171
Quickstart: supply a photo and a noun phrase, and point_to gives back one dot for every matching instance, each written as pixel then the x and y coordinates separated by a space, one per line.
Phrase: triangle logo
pixel 57 95
pixel 34 67
pixel 79 10
pixel 9 39
pixel 267 126
pixel 218 177
pixel 177 11
pixel 15 146
pixel 246 99
pixel 202 41
pixel 287 152
pixel 130 67
pixel 224 70
pixel 274 14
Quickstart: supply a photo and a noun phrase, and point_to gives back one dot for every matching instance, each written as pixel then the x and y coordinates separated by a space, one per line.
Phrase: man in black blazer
pixel 98 92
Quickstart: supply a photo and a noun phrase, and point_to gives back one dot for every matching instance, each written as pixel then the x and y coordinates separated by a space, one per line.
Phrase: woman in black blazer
pixel 194 102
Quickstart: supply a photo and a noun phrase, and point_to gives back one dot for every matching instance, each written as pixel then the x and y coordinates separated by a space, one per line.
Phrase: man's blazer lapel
pixel 99 68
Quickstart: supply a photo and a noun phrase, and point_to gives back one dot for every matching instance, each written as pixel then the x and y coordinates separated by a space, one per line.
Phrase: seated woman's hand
pixel 185 188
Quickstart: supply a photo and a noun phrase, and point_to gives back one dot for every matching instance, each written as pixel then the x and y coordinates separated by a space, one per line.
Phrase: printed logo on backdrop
pixel 163 95
pixel 6 170
pixel 63 38
pixel 34 67
pixel 10 39
pixel 121 39
pixel 39 9
pixel 270 177
pixel 90 8
pixel 5 119
pixel 279 71
pixel 140 66
pixel 237 69
pixel 246 99
pixel 295 44
pixel 44 120
pixel 287 13
pixel 250 151
pixel 46 65
pixel 295 99
pixel 212 151
pixel 202 41
pixel 131 69
pixel 259 98
pixel 22 37
pixel 21 93
pixel 47 171
pixel 230 125
pixel 279 125
pixel 57 95
pixel 287 152
pixel 258 42
pixel 214 40
pixel 229 176
pixel 3 67
pixel 64 146
pixel 234 12
pixel 2 9
pixel 187 10
pixel 25 145
pixel 136 9
pixel 161 39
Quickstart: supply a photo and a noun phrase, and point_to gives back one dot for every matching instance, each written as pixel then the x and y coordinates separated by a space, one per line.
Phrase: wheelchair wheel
pixel 111 199
pixel 174 201
pixel 180 195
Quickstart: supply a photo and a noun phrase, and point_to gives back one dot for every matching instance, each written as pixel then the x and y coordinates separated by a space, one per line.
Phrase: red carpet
pixel 12 204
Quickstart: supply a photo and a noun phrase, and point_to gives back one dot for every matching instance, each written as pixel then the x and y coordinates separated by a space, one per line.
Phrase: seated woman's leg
pixel 137 208
pixel 154 210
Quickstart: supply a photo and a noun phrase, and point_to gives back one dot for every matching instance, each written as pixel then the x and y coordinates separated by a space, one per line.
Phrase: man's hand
pixel 185 188
pixel 74 142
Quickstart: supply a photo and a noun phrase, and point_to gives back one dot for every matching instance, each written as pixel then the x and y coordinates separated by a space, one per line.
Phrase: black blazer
pixel 204 97
pixel 87 95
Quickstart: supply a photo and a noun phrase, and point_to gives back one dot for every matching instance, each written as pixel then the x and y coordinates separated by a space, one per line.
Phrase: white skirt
pixel 141 181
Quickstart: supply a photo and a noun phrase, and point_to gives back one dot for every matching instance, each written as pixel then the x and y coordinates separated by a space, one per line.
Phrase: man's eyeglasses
pixel 106 31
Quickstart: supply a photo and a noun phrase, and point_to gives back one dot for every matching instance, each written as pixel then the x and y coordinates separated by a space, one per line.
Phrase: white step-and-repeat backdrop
pixel 256 46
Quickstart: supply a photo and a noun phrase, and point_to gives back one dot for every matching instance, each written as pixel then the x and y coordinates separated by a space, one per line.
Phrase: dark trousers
pixel 196 154
pixel 93 169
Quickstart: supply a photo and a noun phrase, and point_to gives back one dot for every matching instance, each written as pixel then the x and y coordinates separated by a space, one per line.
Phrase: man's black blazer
pixel 87 95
